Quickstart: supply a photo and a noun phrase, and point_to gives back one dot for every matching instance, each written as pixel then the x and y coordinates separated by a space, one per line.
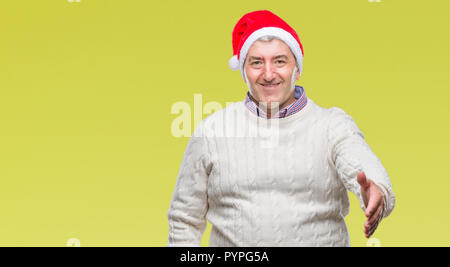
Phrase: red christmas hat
pixel 256 24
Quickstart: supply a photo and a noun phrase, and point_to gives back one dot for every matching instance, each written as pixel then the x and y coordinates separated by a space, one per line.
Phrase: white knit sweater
pixel 276 182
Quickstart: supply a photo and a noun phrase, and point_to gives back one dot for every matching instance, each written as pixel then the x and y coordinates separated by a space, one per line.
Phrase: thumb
pixel 362 180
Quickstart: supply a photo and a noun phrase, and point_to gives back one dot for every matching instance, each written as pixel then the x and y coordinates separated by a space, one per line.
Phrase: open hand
pixel 373 198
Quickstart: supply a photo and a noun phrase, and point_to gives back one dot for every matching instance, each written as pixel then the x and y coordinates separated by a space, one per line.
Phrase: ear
pixel 297 76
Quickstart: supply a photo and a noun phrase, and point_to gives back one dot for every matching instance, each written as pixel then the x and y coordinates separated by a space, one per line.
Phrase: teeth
pixel 271 85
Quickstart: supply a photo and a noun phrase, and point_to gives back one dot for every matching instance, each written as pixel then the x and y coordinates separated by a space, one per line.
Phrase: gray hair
pixel 268 38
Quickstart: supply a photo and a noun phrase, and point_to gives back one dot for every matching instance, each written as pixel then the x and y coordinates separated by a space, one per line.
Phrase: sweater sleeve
pixel 351 154
pixel 189 204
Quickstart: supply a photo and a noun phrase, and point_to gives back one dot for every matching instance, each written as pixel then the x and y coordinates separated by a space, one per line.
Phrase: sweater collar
pixel 296 106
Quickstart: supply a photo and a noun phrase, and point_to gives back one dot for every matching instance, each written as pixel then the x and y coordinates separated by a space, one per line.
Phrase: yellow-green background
pixel 86 90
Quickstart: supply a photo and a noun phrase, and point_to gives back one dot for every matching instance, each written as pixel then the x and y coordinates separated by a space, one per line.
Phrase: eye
pixel 280 62
pixel 256 62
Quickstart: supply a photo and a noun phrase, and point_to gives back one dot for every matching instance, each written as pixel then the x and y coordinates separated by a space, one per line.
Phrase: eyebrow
pixel 260 58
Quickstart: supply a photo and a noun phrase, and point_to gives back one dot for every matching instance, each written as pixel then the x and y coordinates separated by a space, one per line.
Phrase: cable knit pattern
pixel 278 182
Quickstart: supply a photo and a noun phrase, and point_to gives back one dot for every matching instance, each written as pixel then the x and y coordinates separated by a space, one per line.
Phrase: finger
pixel 369 226
pixel 375 216
pixel 372 230
pixel 362 180
pixel 368 232
pixel 374 202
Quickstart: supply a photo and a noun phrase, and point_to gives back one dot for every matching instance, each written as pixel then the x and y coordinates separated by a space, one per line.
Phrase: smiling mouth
pixel 273 85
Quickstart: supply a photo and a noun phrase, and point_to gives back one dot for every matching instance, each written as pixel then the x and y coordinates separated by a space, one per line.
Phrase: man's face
pixel 269 68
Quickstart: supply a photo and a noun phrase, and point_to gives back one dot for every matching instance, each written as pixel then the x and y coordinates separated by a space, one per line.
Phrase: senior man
pixel 293 193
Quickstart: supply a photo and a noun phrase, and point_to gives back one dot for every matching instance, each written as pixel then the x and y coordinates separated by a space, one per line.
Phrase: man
pixel 293 193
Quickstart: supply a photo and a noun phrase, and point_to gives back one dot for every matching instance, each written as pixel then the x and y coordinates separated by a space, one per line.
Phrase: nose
pixel 269 73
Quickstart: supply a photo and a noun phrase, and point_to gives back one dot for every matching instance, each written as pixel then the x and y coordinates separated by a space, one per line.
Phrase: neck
pixel 286 103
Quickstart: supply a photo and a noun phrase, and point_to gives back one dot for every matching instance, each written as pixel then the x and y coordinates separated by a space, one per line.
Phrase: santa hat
pixel 256 24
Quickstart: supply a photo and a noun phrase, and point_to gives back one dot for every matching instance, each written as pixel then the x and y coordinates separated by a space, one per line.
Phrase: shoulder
pixel 341 123
pixel 229 109
pixel 338 115
pixel 219 118
pixel 332 115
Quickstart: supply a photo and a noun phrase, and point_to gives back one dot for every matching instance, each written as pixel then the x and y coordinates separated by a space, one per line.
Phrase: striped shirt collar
pixel 296 106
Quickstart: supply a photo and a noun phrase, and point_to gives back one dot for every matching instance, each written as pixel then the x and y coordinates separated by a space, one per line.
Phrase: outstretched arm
pixel 360 169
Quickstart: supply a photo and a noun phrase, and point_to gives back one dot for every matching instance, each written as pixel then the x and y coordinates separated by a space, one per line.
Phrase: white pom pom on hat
pixel 234 63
